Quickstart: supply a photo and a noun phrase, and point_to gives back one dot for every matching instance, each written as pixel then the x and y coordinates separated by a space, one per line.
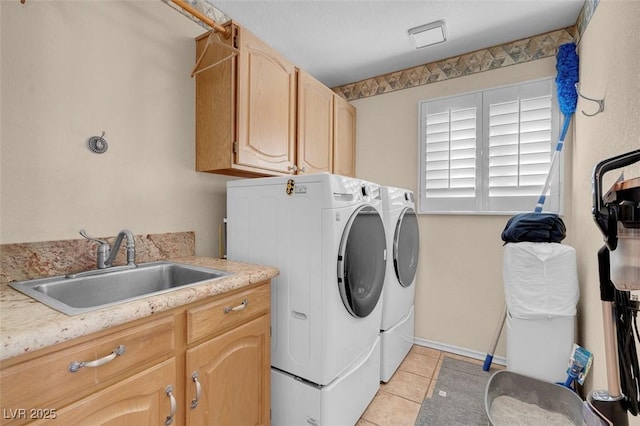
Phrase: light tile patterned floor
pixel 398 402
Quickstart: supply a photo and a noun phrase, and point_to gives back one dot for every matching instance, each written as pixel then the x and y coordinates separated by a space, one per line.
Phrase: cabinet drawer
pixel 208 319
pixel 47 382
pixel 141 399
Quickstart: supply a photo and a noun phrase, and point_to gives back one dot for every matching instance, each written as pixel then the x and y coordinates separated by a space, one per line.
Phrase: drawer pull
pixel 174 406
pixel 194 402
pixel 240 307
pixel 77 365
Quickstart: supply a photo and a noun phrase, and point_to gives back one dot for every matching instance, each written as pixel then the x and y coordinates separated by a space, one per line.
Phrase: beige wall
pixel 71 70
pixel 609 68
pixel 459 294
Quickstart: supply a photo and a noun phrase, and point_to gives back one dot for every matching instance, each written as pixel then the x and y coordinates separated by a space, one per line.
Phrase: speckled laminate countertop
pixel 27 325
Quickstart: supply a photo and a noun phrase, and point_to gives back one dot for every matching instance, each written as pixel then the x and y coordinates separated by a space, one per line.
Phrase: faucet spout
pixel 131 248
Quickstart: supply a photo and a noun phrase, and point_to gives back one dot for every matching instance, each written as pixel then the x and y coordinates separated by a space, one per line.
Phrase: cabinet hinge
pixel 235 147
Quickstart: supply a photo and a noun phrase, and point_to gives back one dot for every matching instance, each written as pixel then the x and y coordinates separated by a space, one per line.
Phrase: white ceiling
pixel 342 42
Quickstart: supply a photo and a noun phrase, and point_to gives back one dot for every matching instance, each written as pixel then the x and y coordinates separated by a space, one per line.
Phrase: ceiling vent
pixel 428 34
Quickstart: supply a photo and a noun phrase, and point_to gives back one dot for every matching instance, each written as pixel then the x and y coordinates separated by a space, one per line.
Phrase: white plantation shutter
pixel 521 131
pixel 449 149
pixel 491 148
pixel 451 153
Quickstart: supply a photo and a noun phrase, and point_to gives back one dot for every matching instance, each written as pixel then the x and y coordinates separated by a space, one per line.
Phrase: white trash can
pixel 541 291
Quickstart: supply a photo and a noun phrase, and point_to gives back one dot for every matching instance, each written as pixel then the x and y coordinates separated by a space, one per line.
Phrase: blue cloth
pixel 534 227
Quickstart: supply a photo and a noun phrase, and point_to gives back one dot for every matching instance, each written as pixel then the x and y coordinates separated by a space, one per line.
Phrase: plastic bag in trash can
pixel 540 280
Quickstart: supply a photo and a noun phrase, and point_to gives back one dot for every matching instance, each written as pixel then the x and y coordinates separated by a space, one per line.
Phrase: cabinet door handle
pixel 293 168
pixel 303 169
pixel 77 365
pixel 194 401
pixel 240 307
pixel 174 406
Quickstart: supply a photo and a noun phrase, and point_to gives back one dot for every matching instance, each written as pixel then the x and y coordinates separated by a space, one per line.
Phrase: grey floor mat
pixel 464 384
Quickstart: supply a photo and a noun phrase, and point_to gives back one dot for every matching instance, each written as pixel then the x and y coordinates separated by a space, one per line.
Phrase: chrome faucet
pixel 105 255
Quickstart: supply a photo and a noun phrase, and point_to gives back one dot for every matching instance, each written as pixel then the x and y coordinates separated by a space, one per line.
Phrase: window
pixel 489 151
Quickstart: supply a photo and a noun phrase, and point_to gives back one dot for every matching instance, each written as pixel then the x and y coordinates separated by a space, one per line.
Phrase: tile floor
pixel 398 402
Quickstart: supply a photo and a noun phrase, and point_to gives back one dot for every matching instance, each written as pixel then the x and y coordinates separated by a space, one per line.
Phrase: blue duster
pixel 566 79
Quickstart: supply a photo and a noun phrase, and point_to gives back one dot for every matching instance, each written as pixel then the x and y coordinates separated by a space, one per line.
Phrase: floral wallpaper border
pixel 517 52
pixel 525 50
pixel 587 11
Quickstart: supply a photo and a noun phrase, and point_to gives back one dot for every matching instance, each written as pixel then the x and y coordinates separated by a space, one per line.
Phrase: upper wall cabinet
pixel 257 115
pixel 326 129
pixel 245 108
pixel 315 125
pixel 344 137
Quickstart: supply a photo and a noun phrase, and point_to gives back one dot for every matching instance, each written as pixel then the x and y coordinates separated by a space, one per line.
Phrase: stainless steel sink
pixel 97 289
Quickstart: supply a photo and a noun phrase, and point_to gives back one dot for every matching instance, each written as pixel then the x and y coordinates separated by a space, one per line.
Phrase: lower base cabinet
pixel 206 363
pixel 236 359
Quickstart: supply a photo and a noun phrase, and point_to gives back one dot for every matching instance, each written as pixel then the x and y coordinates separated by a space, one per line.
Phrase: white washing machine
pixel 326 235
pixel 403 240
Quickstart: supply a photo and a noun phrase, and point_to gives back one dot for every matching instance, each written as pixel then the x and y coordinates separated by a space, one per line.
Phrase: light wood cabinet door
pixel 142 399
pixel 266 107
pixel 315 125
pixel 344 137
pixel 233 373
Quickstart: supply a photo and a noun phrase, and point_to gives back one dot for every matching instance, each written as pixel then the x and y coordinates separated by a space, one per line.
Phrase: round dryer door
pixel 406 243
pixel 362 261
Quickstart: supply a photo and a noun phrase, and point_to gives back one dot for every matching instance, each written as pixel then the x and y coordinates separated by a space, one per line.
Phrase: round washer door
pixel 406 242
pixel 362 261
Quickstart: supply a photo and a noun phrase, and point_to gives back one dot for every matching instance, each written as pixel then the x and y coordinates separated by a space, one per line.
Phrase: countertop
pixel 27 325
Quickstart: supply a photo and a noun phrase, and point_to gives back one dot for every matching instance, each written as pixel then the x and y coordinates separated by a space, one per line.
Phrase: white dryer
pixel 326 235
pixel 403 240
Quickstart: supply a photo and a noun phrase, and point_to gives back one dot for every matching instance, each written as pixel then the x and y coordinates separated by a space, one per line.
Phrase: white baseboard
pixel 469 353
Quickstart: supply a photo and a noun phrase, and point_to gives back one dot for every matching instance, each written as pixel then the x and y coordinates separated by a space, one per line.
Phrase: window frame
pixel 481 203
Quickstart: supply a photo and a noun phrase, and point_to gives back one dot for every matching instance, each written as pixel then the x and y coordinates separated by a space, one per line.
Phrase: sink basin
pixel 97 289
